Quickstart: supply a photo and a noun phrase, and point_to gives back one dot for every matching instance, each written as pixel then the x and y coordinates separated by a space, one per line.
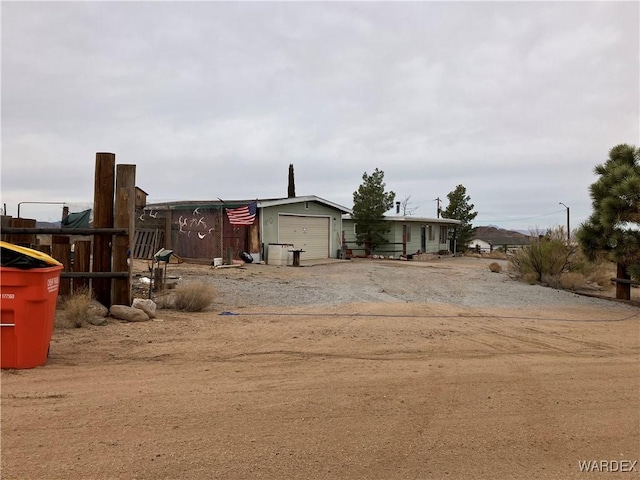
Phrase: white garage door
pixel 310 234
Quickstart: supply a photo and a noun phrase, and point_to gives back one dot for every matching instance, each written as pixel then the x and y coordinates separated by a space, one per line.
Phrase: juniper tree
pixel 613 229
pixel 459 208
pixel 370 202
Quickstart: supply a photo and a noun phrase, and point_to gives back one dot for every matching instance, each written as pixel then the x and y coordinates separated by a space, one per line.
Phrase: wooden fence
pixel 101 263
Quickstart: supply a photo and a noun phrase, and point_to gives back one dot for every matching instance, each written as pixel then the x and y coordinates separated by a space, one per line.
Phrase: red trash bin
pixel 28 294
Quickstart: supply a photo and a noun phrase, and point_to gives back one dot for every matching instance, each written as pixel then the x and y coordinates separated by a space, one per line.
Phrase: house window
pixel 406 233
pixel 355 228
pixel 432 233
pixel 443 234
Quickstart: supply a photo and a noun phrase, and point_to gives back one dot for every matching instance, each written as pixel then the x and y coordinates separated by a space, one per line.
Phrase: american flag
pixel 244 215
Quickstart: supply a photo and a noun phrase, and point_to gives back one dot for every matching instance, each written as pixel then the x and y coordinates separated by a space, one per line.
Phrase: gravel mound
pixel 464 282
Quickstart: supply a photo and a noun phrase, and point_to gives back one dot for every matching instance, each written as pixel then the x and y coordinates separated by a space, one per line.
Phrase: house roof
pixel 262 203
pixel 306 198
pixel 411 218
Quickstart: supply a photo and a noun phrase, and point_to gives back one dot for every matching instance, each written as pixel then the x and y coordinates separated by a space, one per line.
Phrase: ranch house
pixel 408 235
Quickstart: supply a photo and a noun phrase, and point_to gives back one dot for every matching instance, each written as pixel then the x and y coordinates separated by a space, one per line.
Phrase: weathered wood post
pixel 103 218
pixel 125 208
pixel 623 289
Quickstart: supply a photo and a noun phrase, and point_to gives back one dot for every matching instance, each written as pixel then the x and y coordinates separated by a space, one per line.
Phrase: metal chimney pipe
pixel 397 208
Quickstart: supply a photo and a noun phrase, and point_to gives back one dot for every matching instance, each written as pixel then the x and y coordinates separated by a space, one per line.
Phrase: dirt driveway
pixel 351 370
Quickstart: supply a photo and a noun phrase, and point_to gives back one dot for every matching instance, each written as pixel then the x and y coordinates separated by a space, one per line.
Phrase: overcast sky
pixel 517 101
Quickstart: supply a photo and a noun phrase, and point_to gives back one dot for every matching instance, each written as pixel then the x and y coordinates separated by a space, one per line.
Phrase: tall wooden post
pixel 103 218
pixel 623 290
pixel 125 209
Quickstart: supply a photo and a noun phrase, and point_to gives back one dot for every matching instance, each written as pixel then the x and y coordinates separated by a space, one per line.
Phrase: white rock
pixel 147 305
pixel 130 314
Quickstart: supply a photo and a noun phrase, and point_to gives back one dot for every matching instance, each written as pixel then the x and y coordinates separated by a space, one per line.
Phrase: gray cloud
pixel 518 101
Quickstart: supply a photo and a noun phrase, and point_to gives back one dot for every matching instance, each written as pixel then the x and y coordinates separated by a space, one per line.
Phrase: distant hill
pixel 498 236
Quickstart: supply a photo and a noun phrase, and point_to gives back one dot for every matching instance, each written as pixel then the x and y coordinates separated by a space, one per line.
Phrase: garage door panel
pixel 307 233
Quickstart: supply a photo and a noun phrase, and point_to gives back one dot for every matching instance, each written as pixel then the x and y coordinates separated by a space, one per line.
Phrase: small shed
pixel 141 198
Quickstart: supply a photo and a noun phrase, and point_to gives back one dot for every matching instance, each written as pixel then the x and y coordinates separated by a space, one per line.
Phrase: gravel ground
pixel 461 281
pixel 441 369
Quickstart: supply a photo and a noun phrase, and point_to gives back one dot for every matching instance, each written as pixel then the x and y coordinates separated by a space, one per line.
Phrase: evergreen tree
pixel 459 208
pixel 370 202
pixel 291 188
pixel 613 229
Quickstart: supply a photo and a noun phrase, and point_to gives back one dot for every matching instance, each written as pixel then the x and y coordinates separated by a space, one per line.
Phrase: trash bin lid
pixel 23 257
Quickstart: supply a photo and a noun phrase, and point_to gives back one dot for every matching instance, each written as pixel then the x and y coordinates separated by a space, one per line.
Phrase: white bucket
pixel 217 262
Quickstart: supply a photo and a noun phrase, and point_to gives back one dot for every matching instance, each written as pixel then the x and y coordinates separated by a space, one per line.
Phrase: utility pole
pixel 438 207
pixel 568 229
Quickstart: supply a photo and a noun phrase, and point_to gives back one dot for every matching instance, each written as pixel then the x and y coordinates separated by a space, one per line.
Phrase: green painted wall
pixel 269 219
pixel 395 236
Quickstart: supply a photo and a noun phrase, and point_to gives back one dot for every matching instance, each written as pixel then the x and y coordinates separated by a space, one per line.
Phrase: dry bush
pixel 597 272
pixel 552 281
pixel 546 257
pixel 193 297
pixel 572 281
pixel 497 255
pixel 495 267
pixel 531 278
pixel 75 308
pixel 601 273
pixel 164 301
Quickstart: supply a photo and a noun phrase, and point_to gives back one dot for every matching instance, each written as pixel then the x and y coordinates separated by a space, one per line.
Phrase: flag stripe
pixel 244 215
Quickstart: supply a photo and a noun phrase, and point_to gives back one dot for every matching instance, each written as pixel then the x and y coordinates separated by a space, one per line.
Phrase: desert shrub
pixel 530 278
pixel 495 267
pixel 601 273
pixel 193 297
pixel 497 255
pixel 75 308
pixel 572 281
pixel 597 272
pixel 545 256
